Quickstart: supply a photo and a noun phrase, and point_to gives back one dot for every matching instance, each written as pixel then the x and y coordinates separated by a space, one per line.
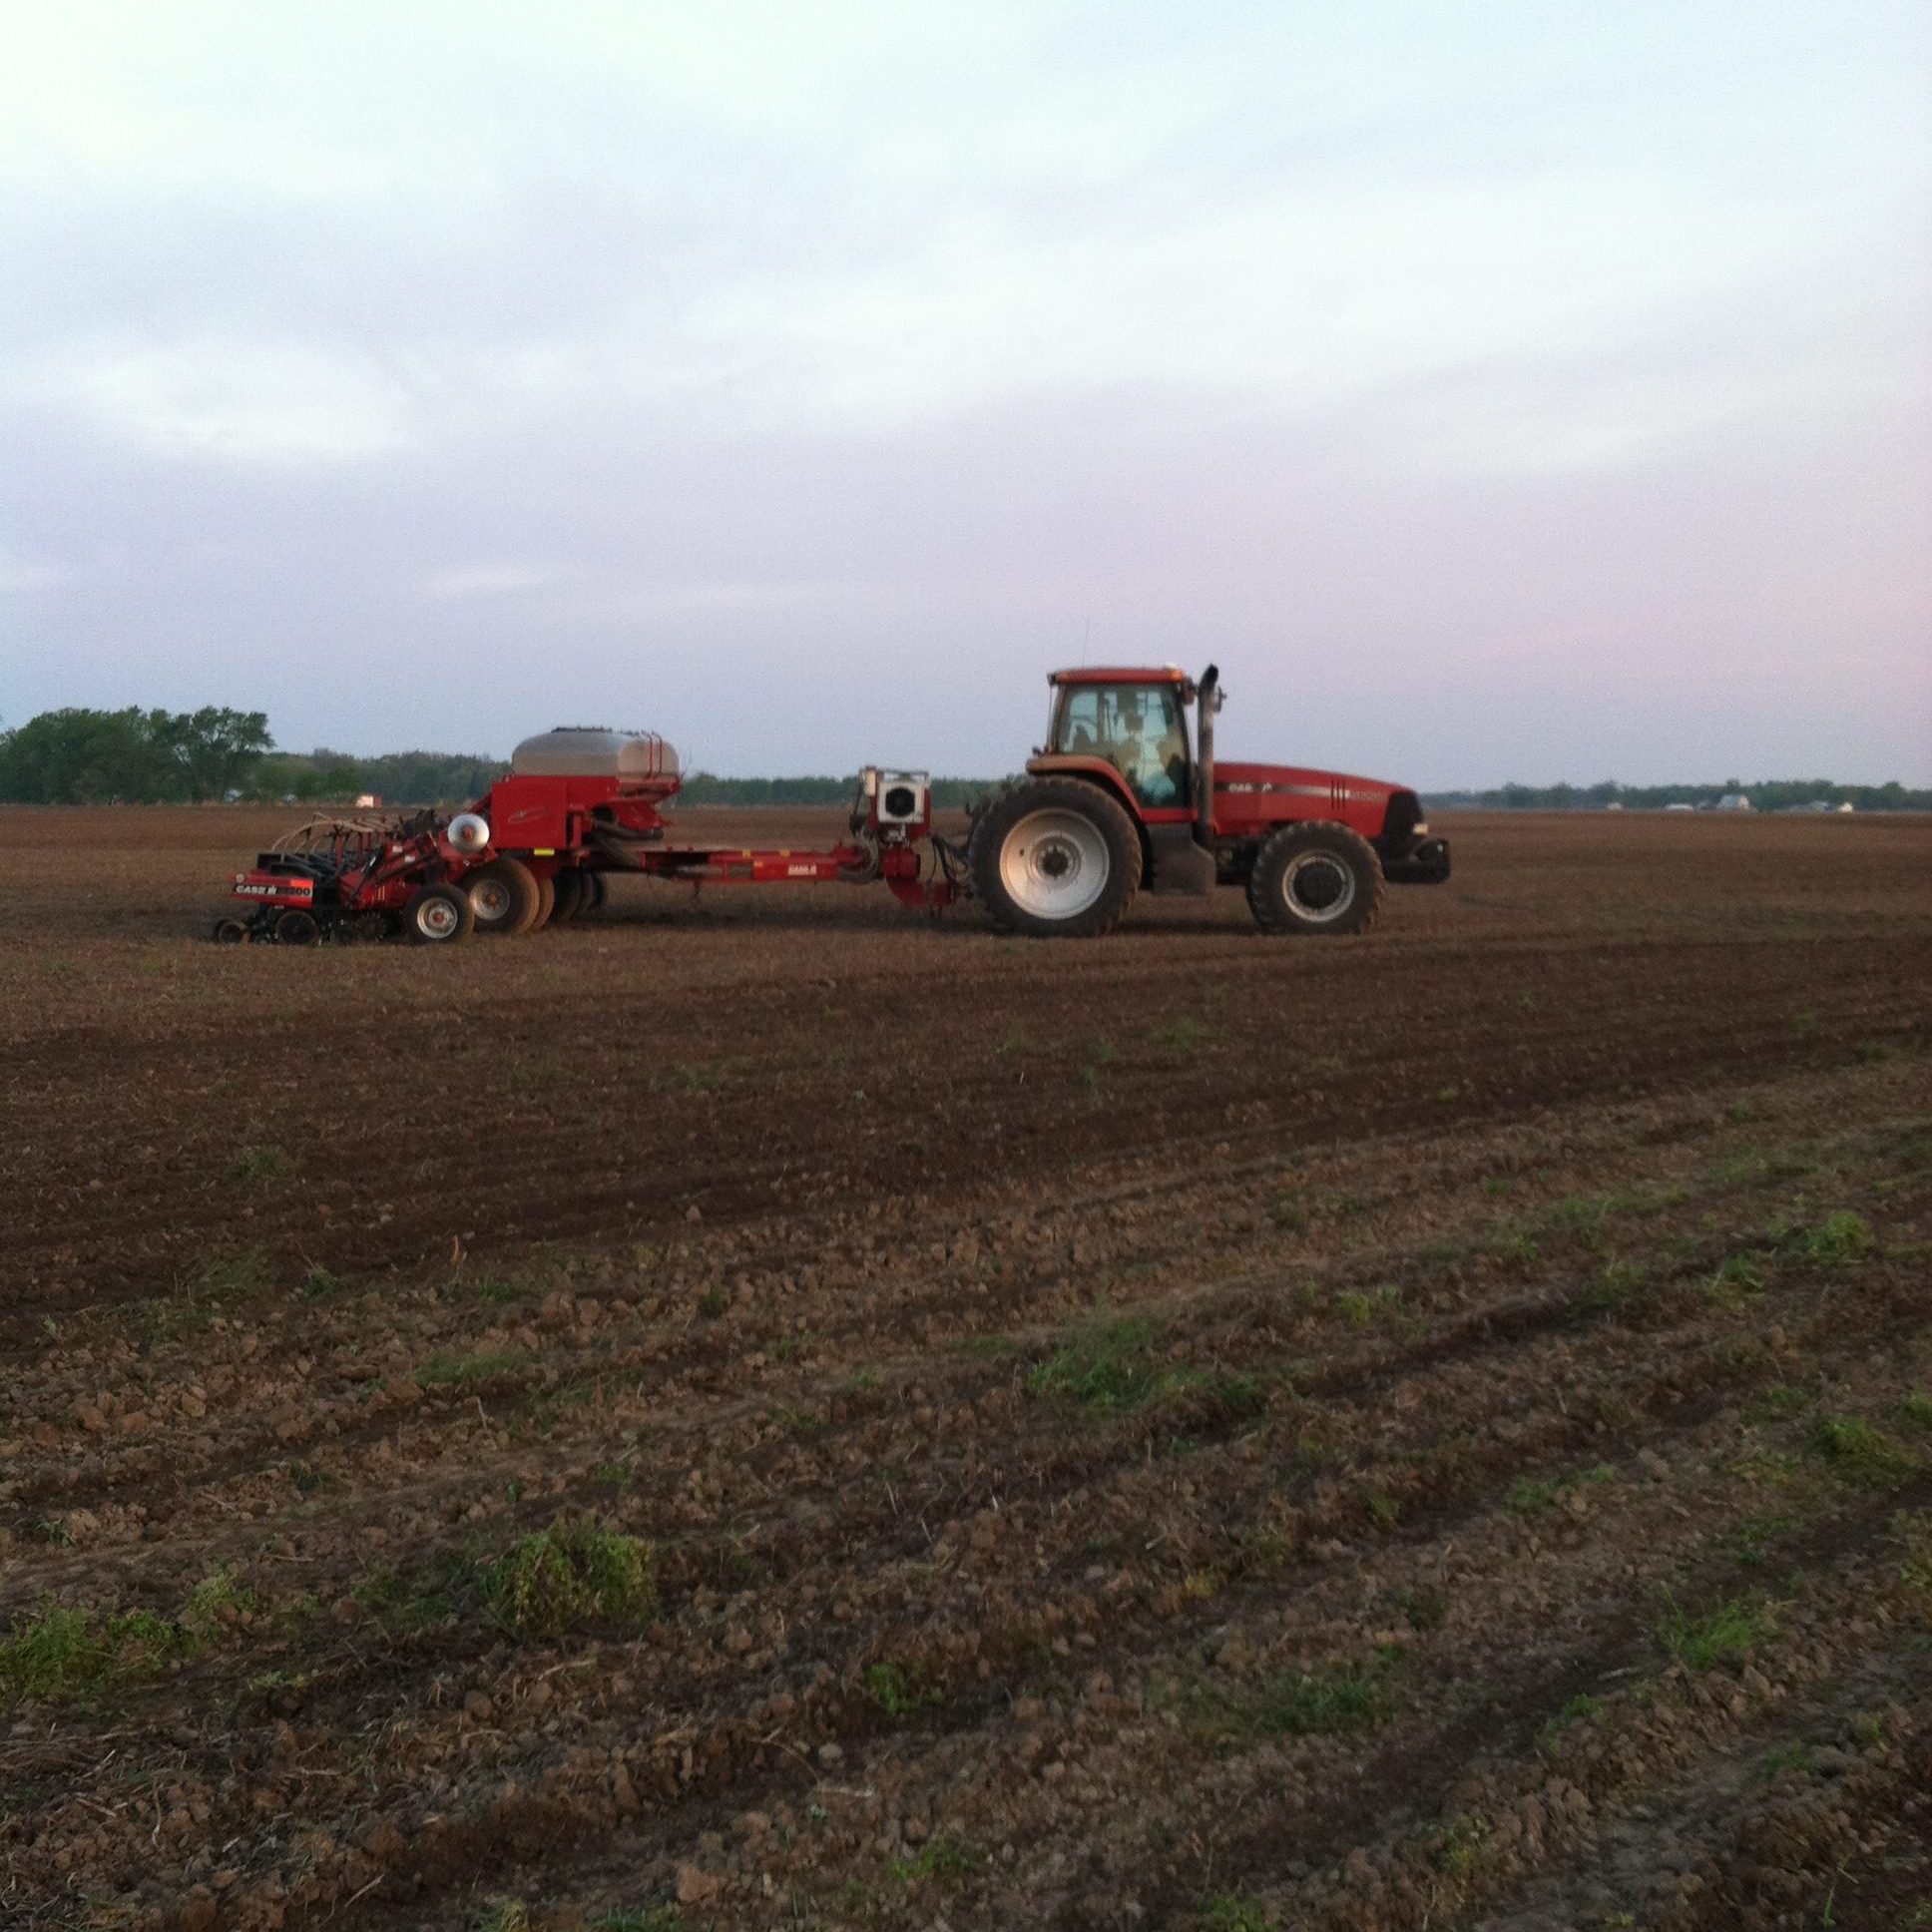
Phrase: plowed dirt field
pixel 767 1411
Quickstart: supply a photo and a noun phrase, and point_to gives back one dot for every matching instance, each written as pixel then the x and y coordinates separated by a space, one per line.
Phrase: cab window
pixel 1137 728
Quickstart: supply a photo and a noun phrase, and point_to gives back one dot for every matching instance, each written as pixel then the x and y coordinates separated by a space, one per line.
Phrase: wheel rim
pixel 436 919
pixel 491 900
pixel 1055 865
pixel 1318 887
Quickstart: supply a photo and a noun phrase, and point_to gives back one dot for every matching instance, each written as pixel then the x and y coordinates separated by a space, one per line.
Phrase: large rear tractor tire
pixel 568 900
pixel 503 896
pixel 439 915
pixel 1055 859
pixel 1315 879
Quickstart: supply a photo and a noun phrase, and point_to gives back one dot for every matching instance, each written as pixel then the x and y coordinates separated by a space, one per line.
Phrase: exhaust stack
pixel 1208 694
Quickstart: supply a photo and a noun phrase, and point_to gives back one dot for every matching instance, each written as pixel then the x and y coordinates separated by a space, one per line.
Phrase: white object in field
pixel 574 752
pixel 902 796
pixel 367 801
pixel 469 832
pixel 1734 802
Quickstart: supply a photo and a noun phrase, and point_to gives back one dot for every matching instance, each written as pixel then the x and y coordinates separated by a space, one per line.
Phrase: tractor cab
pixel 1134 720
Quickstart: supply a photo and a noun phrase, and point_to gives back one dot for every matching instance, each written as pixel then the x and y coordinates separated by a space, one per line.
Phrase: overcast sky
pixel 1508 391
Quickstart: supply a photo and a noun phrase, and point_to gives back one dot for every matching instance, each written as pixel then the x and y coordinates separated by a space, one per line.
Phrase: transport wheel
pixel 1315 879
pixel 569 900
pixel 596 891
pixel 230 932
pixel 1055 859
pixel 546 905
pixel 503 895
pixel 297 928
pixel 438 915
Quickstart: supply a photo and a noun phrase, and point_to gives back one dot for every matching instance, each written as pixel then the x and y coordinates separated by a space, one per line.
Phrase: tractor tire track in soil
pixel 1188 1430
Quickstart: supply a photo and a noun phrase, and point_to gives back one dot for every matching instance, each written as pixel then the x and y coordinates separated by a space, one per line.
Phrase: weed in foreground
pixel 62 1651
pixel 1234 1912
pixel 901 1688
pixel 1182 1034
pixel 1322 1703
pixel 1532 1495
pixel 572 1574
pixel 261 1164
pixel 1729 1631
pixel 1574 1712
pixel 504 1915
pixel 655 1918
pixel 1862 1454
pixel 455 1371
pixel 940 1858
pixel 206 1289
pixel 1460 1850
pixel 1915 1410
pixel 1111 1368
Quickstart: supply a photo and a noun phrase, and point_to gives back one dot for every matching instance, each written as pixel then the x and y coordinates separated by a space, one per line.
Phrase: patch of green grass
pixel 571 1575
pixel 1015 1039
pixel 1497 1183
pixel 1738 1277
pixel 1730 1631
pixel 1108 1368
pixel 493 1291
pixel 320 1285
pixel 444 1370
pixel 204 1289
pixel 1863 1454
pixel 1464 1842
pixel 1620 1283
pixel 60 1652
pixel 307 1478
pixel 1111 1367
pixel 445 1586
pixel 901 1688
pixel 940 1858
pixel 1753 1536
pixel 1915 1410
pixel 712 1303
pixel 1586 1216
pixel 1326 1702
pixel 798 1422
pixel 1288 1212
pixel 1517 1246
pixel 1383 1510
pixel 1772 1404
pixel 653 1919
pixel 1423 1605
pixel 1532 1495
pixel 1100 1054
pixel 1574 1712
pixel 1793 1756
pixel 1182 1034
pixel 1836 1241
pixel 1234 1912
pixel 261 1164
pixel 215 1603
pixel 504 1915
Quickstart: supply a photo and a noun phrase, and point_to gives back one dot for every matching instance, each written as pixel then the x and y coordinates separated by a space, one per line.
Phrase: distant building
pixel 367 800
pixel 1734 802
pixel 1680 806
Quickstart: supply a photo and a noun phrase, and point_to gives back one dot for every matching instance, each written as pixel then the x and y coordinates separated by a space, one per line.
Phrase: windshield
pixel 1137 728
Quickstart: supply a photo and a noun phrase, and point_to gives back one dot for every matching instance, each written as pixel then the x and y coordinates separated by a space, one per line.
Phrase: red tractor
pixel 1118 799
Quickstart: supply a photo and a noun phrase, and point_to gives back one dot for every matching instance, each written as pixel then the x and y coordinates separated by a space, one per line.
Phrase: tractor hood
pixel 1300 782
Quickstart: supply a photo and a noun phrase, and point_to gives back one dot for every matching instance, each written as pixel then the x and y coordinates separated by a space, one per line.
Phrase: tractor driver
pixel 1153 773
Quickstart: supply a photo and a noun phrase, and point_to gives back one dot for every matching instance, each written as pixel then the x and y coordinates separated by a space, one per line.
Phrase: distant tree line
pixel 137 757
pixel 84 757
pixel 1767 794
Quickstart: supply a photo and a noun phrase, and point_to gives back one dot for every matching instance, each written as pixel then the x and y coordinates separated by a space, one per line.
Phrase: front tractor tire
pixel 1055 859
pixel 503 896
pixel 1315 879
pixel 439 915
